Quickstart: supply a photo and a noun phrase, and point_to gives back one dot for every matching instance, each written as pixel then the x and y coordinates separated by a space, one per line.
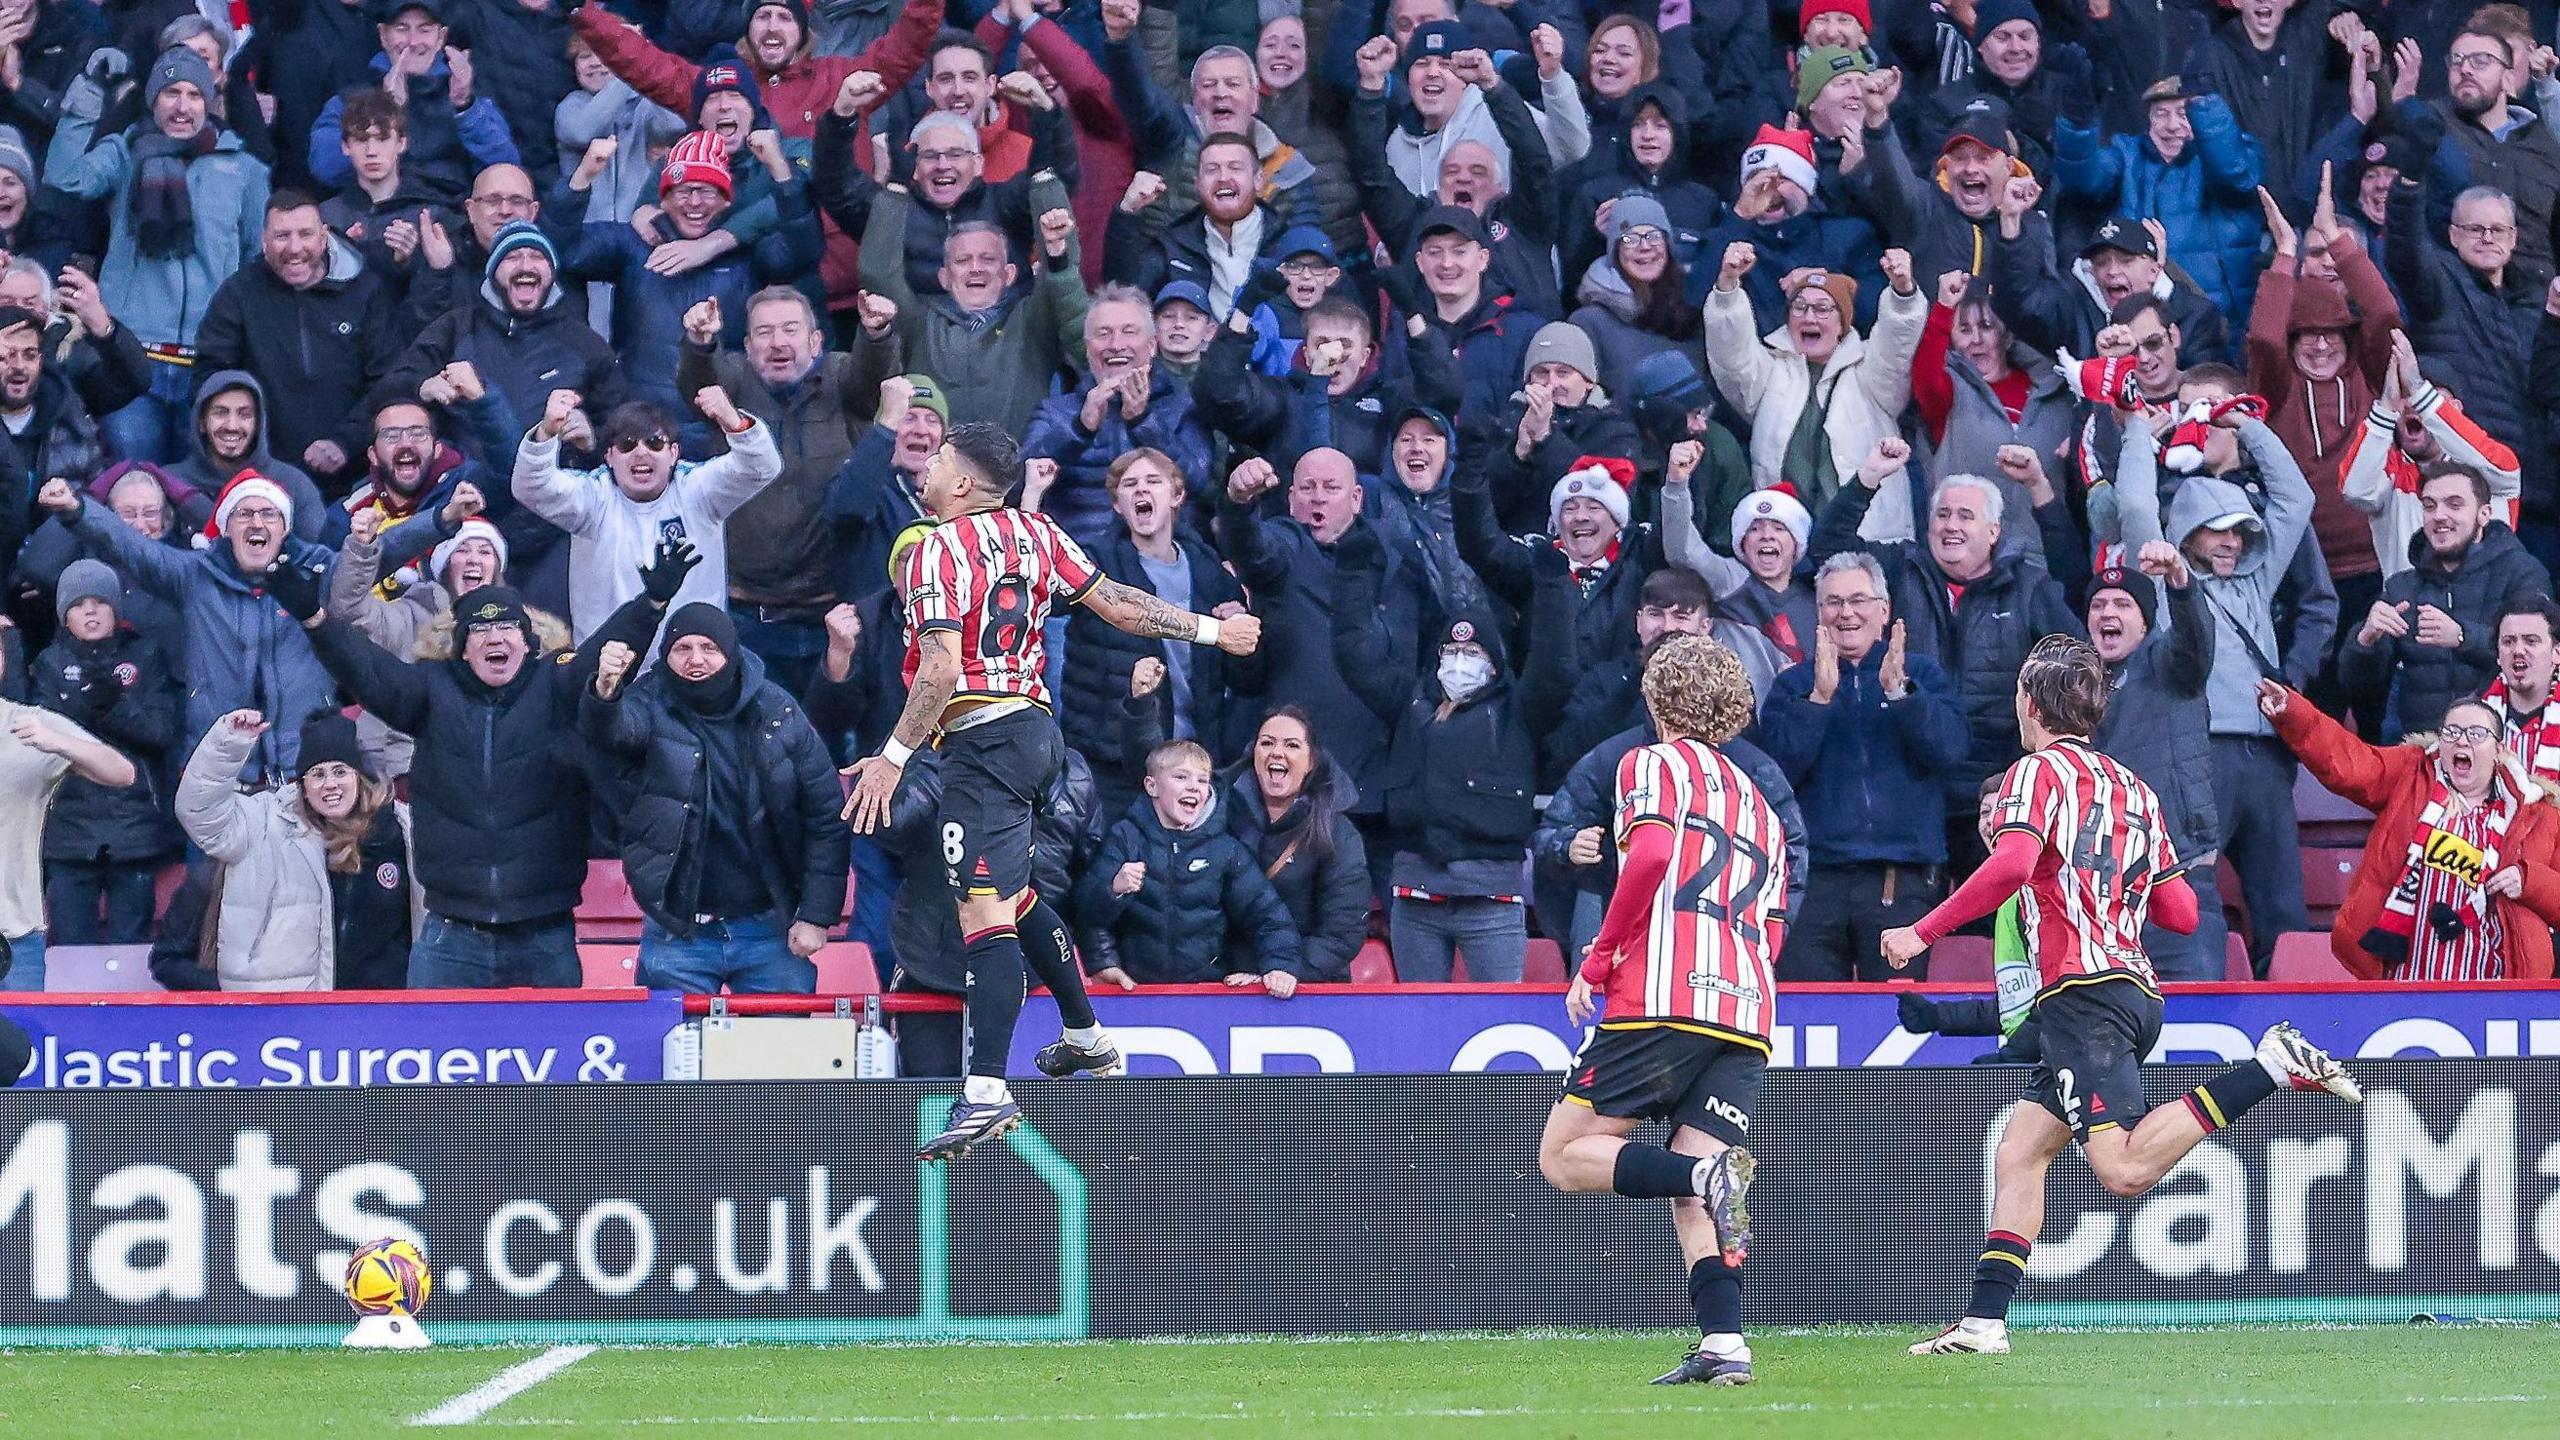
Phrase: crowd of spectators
pixel 457 439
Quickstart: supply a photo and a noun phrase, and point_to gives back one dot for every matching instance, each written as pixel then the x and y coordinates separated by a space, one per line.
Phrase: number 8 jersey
pixel 1709 962
pixel 2105 846
pixel 989 578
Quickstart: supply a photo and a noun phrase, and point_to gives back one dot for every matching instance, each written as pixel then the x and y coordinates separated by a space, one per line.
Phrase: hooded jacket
pixel 1206 910
pixel 2243 604
pixel 1610 171
pixel 1326 895
pixel 1419 526
pixel 661 747
pixel 1979 638
pixel 331 343
pixel 1863 391
pixel 520 358
pixel 2159 724
pixel 2423 680
pixel 499 793
pixel 2395 782
pixel 2319 421
pixel 164 297
pixel 1966 420
pixel 2206 200
pixel 1607 313
pixel 313 518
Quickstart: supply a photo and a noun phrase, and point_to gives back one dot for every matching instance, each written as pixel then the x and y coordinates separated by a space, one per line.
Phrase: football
pixel 388 1277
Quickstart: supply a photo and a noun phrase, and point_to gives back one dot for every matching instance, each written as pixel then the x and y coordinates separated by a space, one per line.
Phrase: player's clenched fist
pixel 1239 634
pixel 1902 945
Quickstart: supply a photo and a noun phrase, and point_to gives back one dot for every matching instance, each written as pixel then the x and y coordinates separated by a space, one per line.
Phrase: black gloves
pixel 97 692
pixel 294 588
pixel 663 576
pixel 1919 1013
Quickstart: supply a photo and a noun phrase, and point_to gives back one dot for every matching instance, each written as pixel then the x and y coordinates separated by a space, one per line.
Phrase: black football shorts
pixel 1656 1072
pixel 2095 1034
pixel 995 777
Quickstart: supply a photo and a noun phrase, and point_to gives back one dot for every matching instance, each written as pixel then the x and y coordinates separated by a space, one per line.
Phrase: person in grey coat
pixel 2158 724
pixel 2240 559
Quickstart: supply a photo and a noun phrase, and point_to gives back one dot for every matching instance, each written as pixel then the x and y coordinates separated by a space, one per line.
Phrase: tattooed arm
pixel 1140 613
pixel 875 777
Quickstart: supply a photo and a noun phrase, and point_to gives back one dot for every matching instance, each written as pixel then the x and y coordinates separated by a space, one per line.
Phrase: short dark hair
pixel 2439 469
pixel 986 448
pixel 1672 586
pixel 955 40
pixel 368 108
pixel 279 201
pixel 2135 304
pixel 1340 310
pixel 2066 683
pixel 2479 27
pixel 634 420
pixel 2539 606
pixel 2214 372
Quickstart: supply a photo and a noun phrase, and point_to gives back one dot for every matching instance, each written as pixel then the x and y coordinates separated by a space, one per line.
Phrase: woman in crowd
pixel 1290 806
pixel 314 891
pixel 1635 299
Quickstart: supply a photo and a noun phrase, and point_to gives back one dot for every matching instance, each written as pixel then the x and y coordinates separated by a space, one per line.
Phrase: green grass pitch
pixel 2333 1384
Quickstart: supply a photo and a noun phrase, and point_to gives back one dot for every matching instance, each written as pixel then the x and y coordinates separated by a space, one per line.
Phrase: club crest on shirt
pixel 387 875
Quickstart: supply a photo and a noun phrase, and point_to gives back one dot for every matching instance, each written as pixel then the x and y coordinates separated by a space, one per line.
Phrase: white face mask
pixel 1461 676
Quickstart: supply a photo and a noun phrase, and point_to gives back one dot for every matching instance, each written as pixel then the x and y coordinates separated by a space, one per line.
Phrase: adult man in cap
pixel 2121 261
pixel 1465 313
pixel 1449 89
pixel 453 129
pixel 518 334
pixel 2016 64
pixel 1555 422
pixel 500 822
pixel 2193 167
pixel 1951 219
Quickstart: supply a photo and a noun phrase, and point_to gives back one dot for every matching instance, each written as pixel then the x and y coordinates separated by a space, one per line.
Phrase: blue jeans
pixel 457 955
pixel 875 895
pixel 748 956
pixel 26 962
pixel 789 647
pixel 1428 934
pixel 155 426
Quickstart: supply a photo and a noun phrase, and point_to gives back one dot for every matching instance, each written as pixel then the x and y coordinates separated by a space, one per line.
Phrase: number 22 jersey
pixel 990 578
pixel 1708 958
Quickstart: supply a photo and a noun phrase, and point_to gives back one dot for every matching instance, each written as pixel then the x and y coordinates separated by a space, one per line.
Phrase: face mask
pixel 1461 676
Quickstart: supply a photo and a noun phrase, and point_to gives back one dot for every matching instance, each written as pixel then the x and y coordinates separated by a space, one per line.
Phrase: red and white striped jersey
pixel 2105 845
pixel 990 578
pixel 1710 950
pixel 2478 952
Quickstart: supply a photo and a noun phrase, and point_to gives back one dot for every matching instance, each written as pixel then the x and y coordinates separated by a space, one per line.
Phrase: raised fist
pixel 1145 188
pixel 1377 61
pixel 58 497
pixel 612 663
pixel 860 91
pixel 556 412
pixel 716 407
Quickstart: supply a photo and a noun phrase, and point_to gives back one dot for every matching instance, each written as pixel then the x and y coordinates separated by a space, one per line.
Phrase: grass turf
pixel 2342 1384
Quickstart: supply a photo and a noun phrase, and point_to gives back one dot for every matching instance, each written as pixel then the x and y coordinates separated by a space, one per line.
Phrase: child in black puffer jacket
pixel 1184 901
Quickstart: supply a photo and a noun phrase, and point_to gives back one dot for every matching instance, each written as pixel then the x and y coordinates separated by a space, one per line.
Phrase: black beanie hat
pixel 331 736
pixel 713 694
pixel 2146 595
pixel 704 619
pixel 491 605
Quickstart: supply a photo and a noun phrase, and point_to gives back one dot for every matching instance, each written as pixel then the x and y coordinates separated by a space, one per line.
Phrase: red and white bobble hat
pixel 1779 503
pixel 1597 477
pixel 697 159
pixel 1789 152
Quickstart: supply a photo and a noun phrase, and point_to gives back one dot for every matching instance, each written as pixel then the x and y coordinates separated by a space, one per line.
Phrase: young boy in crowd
pixel 1184 901
pixel 104 844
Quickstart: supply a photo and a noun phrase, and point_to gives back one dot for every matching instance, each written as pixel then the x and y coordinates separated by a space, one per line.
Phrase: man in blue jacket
pixel 1864 732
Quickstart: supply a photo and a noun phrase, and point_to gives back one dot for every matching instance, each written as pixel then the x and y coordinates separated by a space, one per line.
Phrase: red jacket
pixel 1105 153
pixel 793 94
pixel 2393 781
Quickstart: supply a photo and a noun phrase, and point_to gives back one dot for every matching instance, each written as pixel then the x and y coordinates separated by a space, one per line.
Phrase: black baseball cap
pixel 1458 220
pixel 2123 233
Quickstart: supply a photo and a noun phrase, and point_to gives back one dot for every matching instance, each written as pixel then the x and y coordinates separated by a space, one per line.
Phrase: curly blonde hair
pixel 1696 687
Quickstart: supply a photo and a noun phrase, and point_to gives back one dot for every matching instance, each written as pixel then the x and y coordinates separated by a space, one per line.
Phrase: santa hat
pixel 247 485
pixel 2100 382
pixel 1604 478
pixel 1789 152
pixel 1778 503
pixel 474 528
pixel 697 159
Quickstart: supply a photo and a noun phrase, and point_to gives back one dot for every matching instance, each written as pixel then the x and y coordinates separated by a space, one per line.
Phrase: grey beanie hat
pixel 176 64
pixel 1629 211
pixel 16 157
pixel 1565 344
pixel 86 580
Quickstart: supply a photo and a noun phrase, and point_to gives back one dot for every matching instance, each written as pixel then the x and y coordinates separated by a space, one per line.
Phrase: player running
pixel 978 590
pixel 2086 840
pixel 1686 961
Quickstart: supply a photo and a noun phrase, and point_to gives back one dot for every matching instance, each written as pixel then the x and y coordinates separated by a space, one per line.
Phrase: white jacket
pixel 1866 387
pixel 2370 486
pixel 611 537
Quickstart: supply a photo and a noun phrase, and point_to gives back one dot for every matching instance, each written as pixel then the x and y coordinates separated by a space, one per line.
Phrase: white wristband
pixel 895 753
pixel 1207 633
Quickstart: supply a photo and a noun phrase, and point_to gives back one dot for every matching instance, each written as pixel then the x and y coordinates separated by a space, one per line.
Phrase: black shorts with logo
pixel 2095 1033
pixel 1657 1072
pixel 995 777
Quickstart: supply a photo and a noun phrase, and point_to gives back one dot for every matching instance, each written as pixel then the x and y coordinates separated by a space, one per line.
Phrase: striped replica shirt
pixel 1709 956
pixel 989 578
pixel 2477 952
pixel 2105 845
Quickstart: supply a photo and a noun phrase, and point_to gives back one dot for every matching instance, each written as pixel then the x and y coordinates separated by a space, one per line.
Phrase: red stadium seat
pixel 846 968
pixel 1961 960
pixel 2328 819
pixel 609 967
pixel 2326 875
pixel 1373 965
pixel 1544 964
pixel 2235 959
pixel 606 910
pixel 2303 957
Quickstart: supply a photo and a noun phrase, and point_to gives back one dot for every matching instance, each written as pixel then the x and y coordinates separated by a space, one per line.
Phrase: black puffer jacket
pixel 1205 911
pixel 2426 679
pixel 658 747
pixel 1512 566
pixel 1324 884
pixel 120 690
pixel 1100 657
pixel 1980 640
pixel 924 926
pixel 319 350
pixel 1521 487
pixel 521 358
pixel 2159 722
pixel 2475 339
pixel 498 798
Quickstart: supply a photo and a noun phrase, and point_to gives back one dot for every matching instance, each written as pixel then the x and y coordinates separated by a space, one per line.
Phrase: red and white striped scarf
pixel 2434 847
pixel 2533 737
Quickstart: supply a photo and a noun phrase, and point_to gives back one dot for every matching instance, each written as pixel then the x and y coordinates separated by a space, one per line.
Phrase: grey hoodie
pixel 2244 603
pixel 200 469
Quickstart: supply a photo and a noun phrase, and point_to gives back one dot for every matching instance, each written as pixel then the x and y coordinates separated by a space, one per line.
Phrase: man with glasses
pixel 1864 731
pixel 2474 307
pixel 963 172
pixel 518 333
pixel 2498 142
pixel 643 497
pixel 450 261
pixel 314 325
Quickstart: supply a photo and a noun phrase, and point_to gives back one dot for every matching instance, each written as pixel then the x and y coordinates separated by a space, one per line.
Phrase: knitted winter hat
pixel 1821 65
pixel 2136 586
pixel 1789 152
pixel 179 65
pixel 518 235
pixel 86 580
pixel 697 159
pixel 331 736
pixel 474 528
pixel 1778 503
pixel 1561 342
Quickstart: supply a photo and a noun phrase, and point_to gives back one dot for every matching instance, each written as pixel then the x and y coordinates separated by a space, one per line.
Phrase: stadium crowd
pixel 457 438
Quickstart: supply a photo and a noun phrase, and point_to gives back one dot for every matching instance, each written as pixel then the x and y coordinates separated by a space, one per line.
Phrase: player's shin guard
pixel 1649 1172
pixel 1996 1275
pixel 1052 956
pixel 995 962
pixel 1715 1290
pixel 2223 1099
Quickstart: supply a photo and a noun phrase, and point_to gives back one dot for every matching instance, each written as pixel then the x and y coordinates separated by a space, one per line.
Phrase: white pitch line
pixel 504 1386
